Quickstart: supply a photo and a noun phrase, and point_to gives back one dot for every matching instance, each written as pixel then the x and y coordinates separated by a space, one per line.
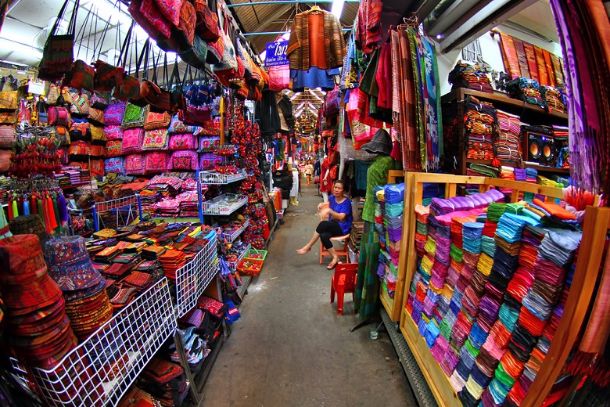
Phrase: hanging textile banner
pixel 276 53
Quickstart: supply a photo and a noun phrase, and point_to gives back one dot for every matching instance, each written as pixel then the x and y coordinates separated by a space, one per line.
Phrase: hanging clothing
pixel 368 33
pixel 313 78
pixel 303 53
pixel 376 175
pixel 285 108
pixel 367 287
pixel 266 113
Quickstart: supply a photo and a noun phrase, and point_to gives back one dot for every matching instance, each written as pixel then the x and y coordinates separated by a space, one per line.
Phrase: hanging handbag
pixel 107 76
pixel 129 88
pixel 207 21
pixel 149 17
pixel 54 92
pixel 170 9
pixel 159 98
pixel 185 34
pixel 96 116
pixel 197 54
pixel 80 76
pixel 99 100
pixel 9 100
pixel 58 52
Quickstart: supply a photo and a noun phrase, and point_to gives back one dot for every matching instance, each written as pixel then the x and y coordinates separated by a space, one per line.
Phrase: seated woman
pixel 336 220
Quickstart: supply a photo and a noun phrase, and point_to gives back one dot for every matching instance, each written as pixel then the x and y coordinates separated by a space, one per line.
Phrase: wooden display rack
pixel 597 223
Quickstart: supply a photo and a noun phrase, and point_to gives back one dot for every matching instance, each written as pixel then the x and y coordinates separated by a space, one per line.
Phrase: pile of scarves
pixel 527 90
pixel 507 141
pixel 479 121
pixel 489 292
pixel 554 99
pixel 465 75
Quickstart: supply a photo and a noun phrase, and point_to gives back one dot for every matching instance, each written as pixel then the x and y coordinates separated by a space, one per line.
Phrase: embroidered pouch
pixel 208 161
pixel 209 143
pixel 97 133
pixel 96 116
pixel 156 120
pixel 183 141
pixel 113 115
pixel 115 164
pixel 134 116
pixel 96 168
pixel 155 139
pixel 155 162
pixel 134 164
pixel 113 132
pixel 184 160
pixel 114 148
pixel 177 126
pixel 132 140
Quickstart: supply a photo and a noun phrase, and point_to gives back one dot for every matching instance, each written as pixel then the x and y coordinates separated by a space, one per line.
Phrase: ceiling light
pixel 337 8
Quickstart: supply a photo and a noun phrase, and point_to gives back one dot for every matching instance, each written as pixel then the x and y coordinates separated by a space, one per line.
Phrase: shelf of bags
pixel 242 255
pixel 230 237
pixel 223 205
pixel 193 278
pixel 102 368
pixel 216 178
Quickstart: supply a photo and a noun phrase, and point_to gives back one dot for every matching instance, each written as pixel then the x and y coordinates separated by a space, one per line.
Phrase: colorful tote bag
pixel 58 52
pixel 113 115
pixel 114 164
pixel 134 116
pixel 155 162
pixel 208 161
pixel 114 148
pixel 113 132
pixel 209 143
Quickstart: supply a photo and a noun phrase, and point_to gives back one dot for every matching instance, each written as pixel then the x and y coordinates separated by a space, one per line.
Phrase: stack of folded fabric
pixel 479 122
pixel 507 143
pixel 507 173
pixel 171 261
pixel 484 170
pixel 393 211
pixel 469 76
pixel 554 98
pixel 527 90
pixel 38 329
pixel 520 174
pixel 356 236
pixel 84 288
pixel 440 206
pixel 531 175
pixel 189 204
pixel 421 228
pixel 166 381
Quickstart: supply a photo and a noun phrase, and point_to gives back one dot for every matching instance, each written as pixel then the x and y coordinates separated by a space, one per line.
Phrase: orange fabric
pixel 317 48
pixel 543 76
pixel 549 67
pixel 555 210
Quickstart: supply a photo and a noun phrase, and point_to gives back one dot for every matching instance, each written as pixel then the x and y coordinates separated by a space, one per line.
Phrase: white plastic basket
pixel 194 277
pixel 215 178
pixel 230 237
pixel 100 370
pixel 220 206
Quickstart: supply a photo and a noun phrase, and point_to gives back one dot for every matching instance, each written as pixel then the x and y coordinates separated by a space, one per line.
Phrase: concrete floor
pixel 290 348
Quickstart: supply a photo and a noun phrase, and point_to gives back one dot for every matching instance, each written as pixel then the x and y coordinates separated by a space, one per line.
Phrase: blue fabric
pixel 313 78
pixel 343 207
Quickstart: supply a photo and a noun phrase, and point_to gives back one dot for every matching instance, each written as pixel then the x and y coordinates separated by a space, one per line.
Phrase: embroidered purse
pixel 185 141
pixel 115 164
pixel 9 100
pixel 113 132
pixel 96 168
pixel 197 54
pixel 184 160
pixel 134 116
pixel 155 140
pixel 134 164
pixel 113 115
pixel 57 115
pixel 208 161
pixel 132 140
pixel 185 35
pixel 97 133
pixel 170 10
pixel 156 120
pixel 7 136
pixel 114 148
pixel 107 76
pixel 53 95
pixel 209 143
pixel 79 147
pixel 96 116
pixel 98 150
pixel 177 126
pixel 79 129
pixel 99 100
pixel 80 104
pixel 155 162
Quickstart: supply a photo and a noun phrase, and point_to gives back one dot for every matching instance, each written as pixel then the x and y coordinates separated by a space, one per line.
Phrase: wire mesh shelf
pixel 123 210
pixel 233 264
pixel 230 237
pixel 224 204
pixel 216 178
pixel 194 277
pixel 100 370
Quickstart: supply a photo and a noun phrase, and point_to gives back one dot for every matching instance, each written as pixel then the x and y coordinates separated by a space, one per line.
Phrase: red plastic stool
pixel 341 252
pixel 343 281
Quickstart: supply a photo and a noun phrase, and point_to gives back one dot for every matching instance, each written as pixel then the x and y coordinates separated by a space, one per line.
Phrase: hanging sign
pixel 276 53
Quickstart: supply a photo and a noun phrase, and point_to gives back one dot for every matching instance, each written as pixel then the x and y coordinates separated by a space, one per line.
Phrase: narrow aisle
pixel 290 348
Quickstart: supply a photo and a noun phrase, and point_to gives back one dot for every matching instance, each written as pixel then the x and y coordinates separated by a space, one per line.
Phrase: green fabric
pixel 419 105
pixel 503 377
pixel 470 348
pixel 376 175
pixel 133 114
pixel 367 290
pixel 456 253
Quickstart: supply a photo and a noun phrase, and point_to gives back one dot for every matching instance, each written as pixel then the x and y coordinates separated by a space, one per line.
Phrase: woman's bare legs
pixel 335 259
pixel 309 244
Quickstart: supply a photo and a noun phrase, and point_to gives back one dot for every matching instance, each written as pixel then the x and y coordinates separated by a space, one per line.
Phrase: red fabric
pixel 383 76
